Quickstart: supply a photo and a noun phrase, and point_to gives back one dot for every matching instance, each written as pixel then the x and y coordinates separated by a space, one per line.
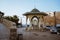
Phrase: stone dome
pixel 35 10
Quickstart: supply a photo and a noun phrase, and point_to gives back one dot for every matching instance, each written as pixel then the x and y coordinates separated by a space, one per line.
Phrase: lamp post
pixel 55 18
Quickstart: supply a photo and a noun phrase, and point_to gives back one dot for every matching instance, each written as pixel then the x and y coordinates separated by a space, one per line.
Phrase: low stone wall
pixel 12 28
pixel 8 23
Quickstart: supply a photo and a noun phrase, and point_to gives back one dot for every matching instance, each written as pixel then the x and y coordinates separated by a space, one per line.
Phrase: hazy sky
pixel 18 7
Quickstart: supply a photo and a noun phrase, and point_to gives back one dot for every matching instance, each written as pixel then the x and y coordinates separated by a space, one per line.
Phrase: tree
pixel 1 13
pixel 12 18
pixel 15 19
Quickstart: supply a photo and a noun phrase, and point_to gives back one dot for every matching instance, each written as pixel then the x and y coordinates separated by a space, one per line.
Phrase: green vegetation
pixel 13 18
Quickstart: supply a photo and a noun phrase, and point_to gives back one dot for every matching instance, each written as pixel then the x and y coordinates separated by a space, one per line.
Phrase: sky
pixel 19 7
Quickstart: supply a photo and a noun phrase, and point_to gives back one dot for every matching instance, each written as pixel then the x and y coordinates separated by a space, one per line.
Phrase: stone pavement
pixel 28 35
pixel 40 36
pixel 4 32
pixel 37 35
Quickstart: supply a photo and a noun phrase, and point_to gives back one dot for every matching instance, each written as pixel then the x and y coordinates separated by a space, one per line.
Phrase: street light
pixel 55 18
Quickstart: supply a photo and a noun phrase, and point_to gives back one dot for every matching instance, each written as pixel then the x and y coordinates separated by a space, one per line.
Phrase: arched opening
pixel 35 22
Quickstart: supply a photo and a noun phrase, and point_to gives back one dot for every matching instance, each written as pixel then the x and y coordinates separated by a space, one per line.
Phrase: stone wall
pixel 9 24
pixel 12 28
pixel 13 34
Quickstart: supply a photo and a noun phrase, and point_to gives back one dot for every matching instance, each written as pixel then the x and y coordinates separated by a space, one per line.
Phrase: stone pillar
pixel 13 34
pixel 39 23
pixel 30 24
pixel 26 20
pixel 43 22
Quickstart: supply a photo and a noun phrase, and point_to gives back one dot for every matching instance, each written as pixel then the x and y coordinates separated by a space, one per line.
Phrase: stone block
pixel 13 34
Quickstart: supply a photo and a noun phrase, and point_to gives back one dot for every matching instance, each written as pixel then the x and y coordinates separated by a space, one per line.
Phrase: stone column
pixel 13 34
pixel 43 21
pixel 26 20
pixel 30 24
pixel 39 23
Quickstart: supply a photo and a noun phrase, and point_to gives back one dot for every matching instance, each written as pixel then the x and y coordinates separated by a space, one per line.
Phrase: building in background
pixel 49 20
pixel 57 17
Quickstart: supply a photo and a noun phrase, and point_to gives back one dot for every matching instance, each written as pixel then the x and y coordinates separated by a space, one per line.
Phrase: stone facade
pixel 50 20
pixel 39 18
pixel 36 18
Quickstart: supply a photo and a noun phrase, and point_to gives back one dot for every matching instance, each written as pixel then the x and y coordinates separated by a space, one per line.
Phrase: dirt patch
pixel 44 35
pixel 35 34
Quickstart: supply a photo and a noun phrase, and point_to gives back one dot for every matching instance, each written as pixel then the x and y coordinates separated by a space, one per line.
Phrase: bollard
pixel 20 37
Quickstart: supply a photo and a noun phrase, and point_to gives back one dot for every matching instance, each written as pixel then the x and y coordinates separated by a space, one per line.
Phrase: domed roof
pixel 35 10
